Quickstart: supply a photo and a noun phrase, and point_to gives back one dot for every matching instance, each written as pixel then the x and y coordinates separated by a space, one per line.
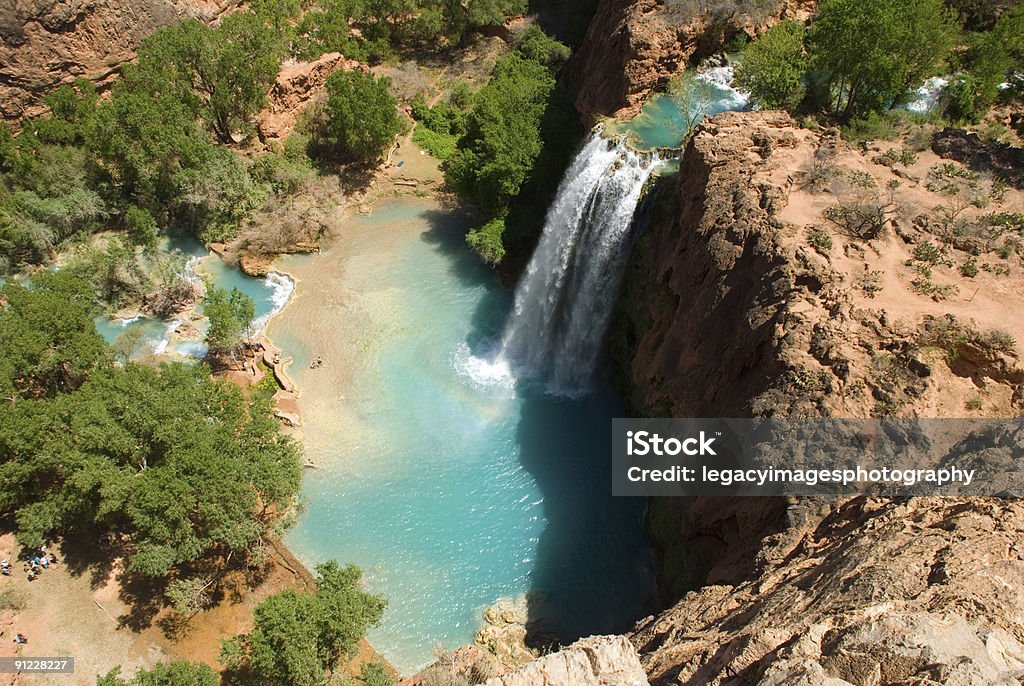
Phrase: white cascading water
pixel 565 297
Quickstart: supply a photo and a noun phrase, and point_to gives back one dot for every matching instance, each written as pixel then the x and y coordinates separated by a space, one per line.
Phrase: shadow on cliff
pixel 594 568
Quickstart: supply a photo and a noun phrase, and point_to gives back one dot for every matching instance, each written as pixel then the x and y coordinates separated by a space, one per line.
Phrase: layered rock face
pixel 925 591
pixel 743 300
pixel 594 661
pixel 633 46
pixel 44 43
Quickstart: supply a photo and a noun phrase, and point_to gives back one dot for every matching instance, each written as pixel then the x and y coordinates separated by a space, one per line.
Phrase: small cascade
pixel 565 298
pixel 281 287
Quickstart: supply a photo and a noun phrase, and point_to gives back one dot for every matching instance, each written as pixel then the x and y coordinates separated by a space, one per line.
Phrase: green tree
pixel 221 74
pixel 177 465
pixel 326 28
pixel 48 342
pixel 142 142
pixel 503 139
pixel 231 316
pixel 178 673
pixel 71 110
pixel 868 53
pixel 141 226
pixel 298 638
pixel 773 66
pixel 213 197
pixel 359 119
pixel 538 46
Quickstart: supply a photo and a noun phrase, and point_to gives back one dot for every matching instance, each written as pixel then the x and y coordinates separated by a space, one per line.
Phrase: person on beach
pixel 21 639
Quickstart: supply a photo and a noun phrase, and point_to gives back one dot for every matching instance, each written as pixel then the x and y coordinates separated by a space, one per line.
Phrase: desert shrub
pixel 870 282
pixel 823 169
pixel 929 253
pixel 819 240
pixel 969 268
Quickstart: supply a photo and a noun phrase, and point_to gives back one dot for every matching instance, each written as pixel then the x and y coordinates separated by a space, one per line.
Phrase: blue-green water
pixel 455 487
pixel 664 120
pixel 269 296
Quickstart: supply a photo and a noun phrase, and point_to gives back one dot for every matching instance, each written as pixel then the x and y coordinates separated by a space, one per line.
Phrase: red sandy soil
pixel 81 608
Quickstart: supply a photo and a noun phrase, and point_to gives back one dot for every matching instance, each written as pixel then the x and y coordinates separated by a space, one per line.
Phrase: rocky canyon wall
pixel 44 43
pixel 728 310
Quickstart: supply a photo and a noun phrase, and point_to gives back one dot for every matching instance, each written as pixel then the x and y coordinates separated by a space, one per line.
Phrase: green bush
pixel 819 240
pixel 177 673
pixel 928 253
pixel 541 48
pixel 141 225
pixel 487 240
pixel 360 119
pixel 441 145
pixel 773 66
pixel 298 638
pixel 287 169
pixel 959 99
pixel 875 126
pixel 375 674
pixel 969 268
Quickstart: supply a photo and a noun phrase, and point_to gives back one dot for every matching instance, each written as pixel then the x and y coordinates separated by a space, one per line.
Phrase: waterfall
pixel 565 297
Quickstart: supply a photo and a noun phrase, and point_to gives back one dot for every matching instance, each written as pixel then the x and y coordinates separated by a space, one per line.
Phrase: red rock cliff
pixel 44 43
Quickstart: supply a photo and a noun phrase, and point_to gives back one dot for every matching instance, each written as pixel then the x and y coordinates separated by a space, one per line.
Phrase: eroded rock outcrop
pixel 925 591
pixel 44 43
pixel 594 661
pixel 297 84
pixel 744 299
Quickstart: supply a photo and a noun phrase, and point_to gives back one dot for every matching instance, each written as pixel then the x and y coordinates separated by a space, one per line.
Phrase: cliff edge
pixel 784 272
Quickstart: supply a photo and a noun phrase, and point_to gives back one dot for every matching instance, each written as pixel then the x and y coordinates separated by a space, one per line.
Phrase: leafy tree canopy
pixel 231 316
pixel 868 53
pixel 175 461
pixel 773 66
pixel 359 118
pixel 502 139
pixel 221 74
pixel 48 342
pixel 298 638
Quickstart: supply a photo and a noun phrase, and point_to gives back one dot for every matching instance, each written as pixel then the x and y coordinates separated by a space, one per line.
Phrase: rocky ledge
pixel 594 661
pixel 752 294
